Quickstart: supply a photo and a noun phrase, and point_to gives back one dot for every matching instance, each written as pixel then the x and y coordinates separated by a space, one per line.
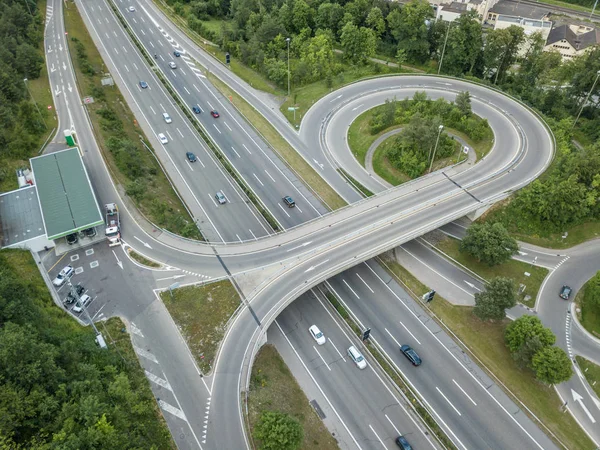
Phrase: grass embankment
pixel 142 259
pixel 486 341
pixel 273 387
pixel 132 166
pixel 201 313
pixel 511 269
pixel 40 93
pixel 591 372
pixel 281 146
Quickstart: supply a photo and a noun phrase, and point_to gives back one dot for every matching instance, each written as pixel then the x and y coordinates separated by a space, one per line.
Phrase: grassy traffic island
pixel 588 303
pixel 201 314
pixel 275 393
pixel 58 389
pixel 407 155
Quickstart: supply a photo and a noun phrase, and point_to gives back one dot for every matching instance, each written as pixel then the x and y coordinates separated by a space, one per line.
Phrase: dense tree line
pixel 20 36
pixel 57 388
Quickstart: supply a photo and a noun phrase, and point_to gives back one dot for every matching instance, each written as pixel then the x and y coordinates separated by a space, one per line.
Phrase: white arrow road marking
pixel 315 266
pixel 334 99
pixel 145 243
pixel 300 246
pixel 578 398
pixel 522 253
pixel 64 66
pixel 318 163
pixel 354 109
pixel 472 286
pixel 174 277
pixel 171 409
pixel 69 87
pixel 119 263
pixel 52 69
pixel 57 91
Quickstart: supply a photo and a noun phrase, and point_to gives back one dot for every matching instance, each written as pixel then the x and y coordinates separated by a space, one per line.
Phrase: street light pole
pixel 444 48
pixel 587 98
pixel 593 9
pixel 288 49
pixel 34 102
pixel 440 128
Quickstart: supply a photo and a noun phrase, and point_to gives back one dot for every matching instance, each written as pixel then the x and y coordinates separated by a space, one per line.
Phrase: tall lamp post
pixel 593 9
pixel 440 128
pixel 288 49
pixel 444 48
pixel 34 102
pixel 587 98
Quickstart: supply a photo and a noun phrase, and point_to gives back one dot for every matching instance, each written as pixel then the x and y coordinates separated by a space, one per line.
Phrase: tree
pixel 552 365
pixel 591 296
pixel 375 21
pixel 278 431
pixel 358 43
pixel 463 103
pixel 317 53
pixel 410 30
pixel 525 337
pixel 302 15
pixel 501 50
pixel 492 303
pixel 489 243
pixel 400 58
pixel 464 44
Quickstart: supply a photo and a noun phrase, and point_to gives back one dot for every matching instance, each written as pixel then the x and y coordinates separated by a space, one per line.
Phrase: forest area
pixel 58 389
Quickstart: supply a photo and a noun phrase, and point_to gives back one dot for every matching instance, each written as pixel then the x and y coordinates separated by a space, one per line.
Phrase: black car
pixel 196 109
pixel 80 289
pixel 411 355
pixel 70 298
pixel 72 238
pixel 190 156
pixel 289 201
pixel 565 292
pixel 90 232
pixel 177 54
pixel 403 443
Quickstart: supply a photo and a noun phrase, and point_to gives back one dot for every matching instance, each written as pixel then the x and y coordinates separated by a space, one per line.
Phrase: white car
pixel 131 9
pixel 63 276
pixel 357 357
pixel 167 118
pixel 317 335
pixel 172 65
pixel 163 139
pixel 83 300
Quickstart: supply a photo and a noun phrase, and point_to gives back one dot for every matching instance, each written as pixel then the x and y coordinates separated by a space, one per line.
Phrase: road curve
pixel 522 151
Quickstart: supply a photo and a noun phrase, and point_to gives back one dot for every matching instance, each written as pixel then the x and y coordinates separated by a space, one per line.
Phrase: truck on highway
pixel 113 225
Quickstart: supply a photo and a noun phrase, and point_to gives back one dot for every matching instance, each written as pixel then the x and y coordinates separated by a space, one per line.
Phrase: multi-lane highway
pixel 311 253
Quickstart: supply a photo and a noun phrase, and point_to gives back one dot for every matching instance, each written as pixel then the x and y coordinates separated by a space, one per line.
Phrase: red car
pixel 215 114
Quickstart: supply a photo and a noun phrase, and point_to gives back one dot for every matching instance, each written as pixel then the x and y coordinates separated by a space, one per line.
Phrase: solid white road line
pixel 413 336
pixel 463 391
pixel 322 359
pixel 368 287
pixel 450 403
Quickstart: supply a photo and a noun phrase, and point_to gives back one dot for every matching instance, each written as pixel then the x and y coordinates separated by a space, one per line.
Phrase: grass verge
pixel 120 138
pixel 356 184
pixel 591 372
pixel 589 315
pixel 201 314
pixel 511 269
pixel 273 387
pixel 486 341
pixel 396 377
pixel 141 259
pixel 281 147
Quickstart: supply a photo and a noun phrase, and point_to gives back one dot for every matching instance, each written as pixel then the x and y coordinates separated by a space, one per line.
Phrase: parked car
pixel 163 139
pixel 177 54
pixel 143 84
pixel 411 355
pixel 357 357
pixel 72 238
pixel 90 232
pixel 79 289
pixel 317 335
pixel 403 443
pixel 63 276
pixel 220 197
pixel 289 201
pixel 84 300
pixel 565 292
pixel 172 65
pixel 215 114
pixel 70 298
pixel 190 156
pixel 167 118
pixel 196 109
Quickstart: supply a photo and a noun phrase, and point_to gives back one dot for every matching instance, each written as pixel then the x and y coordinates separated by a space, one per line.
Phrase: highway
pixel 374 224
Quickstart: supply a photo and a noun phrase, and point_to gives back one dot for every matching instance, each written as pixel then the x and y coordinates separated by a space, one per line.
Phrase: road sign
pixel 292 108
pixel 174 286
pixel 428 296
pixel 366 334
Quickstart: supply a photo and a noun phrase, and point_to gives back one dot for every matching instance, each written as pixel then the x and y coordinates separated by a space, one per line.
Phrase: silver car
pixel 63 276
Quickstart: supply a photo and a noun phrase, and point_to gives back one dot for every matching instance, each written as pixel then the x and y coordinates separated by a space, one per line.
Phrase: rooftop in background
pixel 586 36
pixel 65 194
pixel 515 8
pixel 20 216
